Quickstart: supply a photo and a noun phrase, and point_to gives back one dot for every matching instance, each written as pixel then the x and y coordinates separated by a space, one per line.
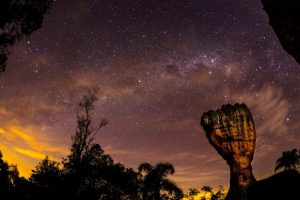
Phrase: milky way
pixel 159 65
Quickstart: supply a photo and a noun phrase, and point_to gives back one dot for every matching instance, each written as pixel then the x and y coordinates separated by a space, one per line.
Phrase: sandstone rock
pixel 284 18
pixel 231 131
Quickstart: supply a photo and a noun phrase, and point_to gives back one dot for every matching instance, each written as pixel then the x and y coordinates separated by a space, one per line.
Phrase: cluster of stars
pixel 159 65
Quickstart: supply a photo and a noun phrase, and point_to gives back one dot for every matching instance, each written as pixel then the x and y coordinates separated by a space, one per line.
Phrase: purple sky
pixel 159 66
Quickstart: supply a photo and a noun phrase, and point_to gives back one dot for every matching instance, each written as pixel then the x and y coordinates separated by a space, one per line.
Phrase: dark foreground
pixel 282 186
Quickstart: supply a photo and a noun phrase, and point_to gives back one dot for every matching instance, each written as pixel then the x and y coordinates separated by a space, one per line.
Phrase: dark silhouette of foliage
pixel 192 193
pixel 289 160
pixel 19 18
pixel 46 180
pixel 87 172
pixel 46 173
pixel 83 150
pixel 4 177
pixel 22 190
pixel 156 186
pixel 218 195
pixel 86 164
pixel 11 185
pixel 206 189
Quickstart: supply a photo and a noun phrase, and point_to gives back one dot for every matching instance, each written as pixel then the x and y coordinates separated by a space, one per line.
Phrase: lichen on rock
pixel 231 131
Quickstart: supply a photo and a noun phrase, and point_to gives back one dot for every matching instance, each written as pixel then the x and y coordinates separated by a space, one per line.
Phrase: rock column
pixel 231 131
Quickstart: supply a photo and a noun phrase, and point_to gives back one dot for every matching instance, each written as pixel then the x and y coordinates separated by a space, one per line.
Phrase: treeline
pixel 209 194
pixel 87 173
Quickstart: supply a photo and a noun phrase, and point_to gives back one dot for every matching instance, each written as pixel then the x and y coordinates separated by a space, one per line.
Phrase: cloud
pixel 166 98
pixel 27 141
pixel 17 133
pixel 30 153
pixel 269 109
pixel 193 176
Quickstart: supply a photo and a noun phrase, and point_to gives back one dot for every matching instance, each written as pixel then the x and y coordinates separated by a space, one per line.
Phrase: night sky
pixel 159 65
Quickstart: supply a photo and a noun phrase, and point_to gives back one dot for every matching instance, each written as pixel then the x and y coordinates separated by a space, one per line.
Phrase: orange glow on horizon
pixel 24 147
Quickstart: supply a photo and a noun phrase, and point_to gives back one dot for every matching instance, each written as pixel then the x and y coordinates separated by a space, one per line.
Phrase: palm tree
pixel 206 189
pixel 192 193
pixel 218 195
pixel 288 160
pixel 156 186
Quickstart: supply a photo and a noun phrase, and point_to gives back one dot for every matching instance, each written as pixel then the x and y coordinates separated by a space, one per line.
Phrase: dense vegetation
pixel 19 18
pixel 88 173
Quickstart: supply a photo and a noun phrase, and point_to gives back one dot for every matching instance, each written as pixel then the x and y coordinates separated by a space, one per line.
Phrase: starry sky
pixel 159 65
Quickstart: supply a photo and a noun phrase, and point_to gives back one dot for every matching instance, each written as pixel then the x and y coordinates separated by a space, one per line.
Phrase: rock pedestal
pixel 231 132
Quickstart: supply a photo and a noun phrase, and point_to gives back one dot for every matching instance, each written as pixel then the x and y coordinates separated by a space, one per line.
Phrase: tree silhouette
pixel 87 162
pixel 192 193
pixel 12 187
pixel 206 189
pixel 288 160
pixel 121 183
pixel 4 177
pixel 89 172
pixel 156 186
pixel 83 147
pixel 218 195
pixel 46 172
pixel 47 180
pixel 19 18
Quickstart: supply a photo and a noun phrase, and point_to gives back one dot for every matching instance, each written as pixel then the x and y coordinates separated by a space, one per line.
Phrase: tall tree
pixel 87 161
pixel 85 133
pixel 89 172
pixel 19 18
pixel 288 160
pixel 156 186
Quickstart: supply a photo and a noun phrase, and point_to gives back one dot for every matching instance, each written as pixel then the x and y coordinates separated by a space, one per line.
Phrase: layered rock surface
pixel 231 132
pixel 284 18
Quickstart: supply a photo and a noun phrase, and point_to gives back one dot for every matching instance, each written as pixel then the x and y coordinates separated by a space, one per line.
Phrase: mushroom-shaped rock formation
pixel 231 132
pixel 284 18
